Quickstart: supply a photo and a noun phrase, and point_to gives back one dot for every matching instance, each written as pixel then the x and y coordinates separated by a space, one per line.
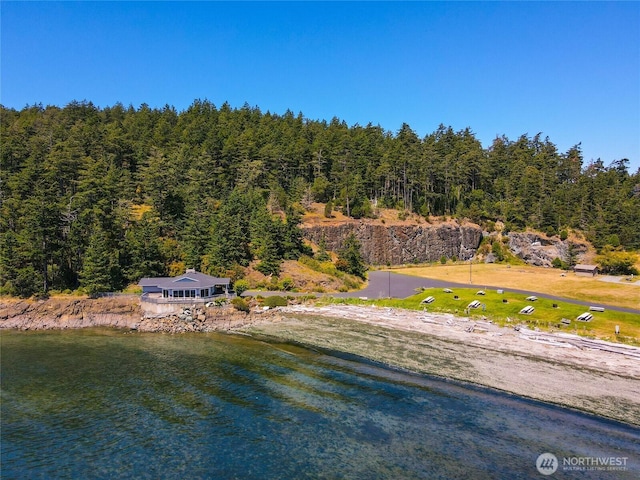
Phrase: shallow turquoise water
pixel 103 404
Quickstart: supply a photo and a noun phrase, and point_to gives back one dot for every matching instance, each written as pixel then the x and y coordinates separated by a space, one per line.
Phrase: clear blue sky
pixel 568 70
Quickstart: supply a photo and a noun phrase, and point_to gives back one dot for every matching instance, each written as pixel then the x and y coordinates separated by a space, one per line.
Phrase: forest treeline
pixel 99 197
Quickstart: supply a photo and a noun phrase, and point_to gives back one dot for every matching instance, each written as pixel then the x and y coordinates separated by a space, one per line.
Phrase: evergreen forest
pixel 99 197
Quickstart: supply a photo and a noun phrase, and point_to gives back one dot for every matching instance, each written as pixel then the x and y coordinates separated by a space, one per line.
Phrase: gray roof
pixel 189 280
pixel 585 267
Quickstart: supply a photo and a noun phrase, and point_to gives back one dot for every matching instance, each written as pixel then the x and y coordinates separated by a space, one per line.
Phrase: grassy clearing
pixel 536 279
pixel 546 316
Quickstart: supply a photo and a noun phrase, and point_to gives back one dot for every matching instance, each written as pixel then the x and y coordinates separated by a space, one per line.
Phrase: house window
pixel 165 293
pixel 178 293
pixel 204 292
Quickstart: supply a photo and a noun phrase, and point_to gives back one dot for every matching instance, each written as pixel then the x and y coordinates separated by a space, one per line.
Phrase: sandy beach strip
pixel 602 378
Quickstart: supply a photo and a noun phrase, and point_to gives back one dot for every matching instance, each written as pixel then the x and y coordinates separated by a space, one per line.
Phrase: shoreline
pixel 595 377
pixel 586 378
pixel 121 313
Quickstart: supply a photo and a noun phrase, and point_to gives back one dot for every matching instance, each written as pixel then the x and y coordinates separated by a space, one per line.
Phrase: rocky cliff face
pixel 398 244
pixel 540 250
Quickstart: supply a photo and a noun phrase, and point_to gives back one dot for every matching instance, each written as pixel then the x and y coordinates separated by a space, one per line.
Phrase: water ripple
pixel 92 405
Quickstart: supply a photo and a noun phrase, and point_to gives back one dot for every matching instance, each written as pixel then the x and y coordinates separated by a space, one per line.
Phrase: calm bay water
pixel 102 404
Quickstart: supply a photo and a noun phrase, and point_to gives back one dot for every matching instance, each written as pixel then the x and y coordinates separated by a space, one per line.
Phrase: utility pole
pixel 470 263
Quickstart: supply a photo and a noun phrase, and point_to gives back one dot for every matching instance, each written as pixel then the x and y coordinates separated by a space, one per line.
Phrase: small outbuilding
pixel 586 270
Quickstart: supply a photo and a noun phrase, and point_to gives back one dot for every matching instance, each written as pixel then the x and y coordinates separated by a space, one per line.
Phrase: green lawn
pixel 545 316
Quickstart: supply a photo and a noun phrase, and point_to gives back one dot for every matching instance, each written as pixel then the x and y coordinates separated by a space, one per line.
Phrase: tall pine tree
pixel 95 276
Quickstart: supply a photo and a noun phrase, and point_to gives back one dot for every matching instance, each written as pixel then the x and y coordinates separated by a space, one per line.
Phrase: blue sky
pixel 569 70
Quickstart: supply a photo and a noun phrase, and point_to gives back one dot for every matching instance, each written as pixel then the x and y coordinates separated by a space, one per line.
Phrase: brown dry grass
pixel 535 279
pixel 385 216
pixel 304 278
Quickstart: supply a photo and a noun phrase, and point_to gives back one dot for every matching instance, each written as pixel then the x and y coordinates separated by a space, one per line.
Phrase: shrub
pixel 287 284
pixel 323 256
pixel 484 248
pixel 273 285
pixel 564 235
pixel 328 208
pixel 424 211
pixel 558 263
pixel 275 301
pixel 443 259
pixel 613 240
pixel 236 272
pixel 270 266
pixel 617 262
pixel 324 267
pixel 362 209
pixel 350 258
pixel 351 284
pixel 240 304
pixel 496 249
pixel 306 298
pixel 241 286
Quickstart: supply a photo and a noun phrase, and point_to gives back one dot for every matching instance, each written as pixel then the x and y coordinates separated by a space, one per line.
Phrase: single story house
pixel 191 284
pixel 586 270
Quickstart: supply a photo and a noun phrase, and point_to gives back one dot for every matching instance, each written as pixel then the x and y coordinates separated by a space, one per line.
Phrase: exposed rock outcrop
pixel 61 313
pixel 119 312
pixel 398 244
pixel 540 250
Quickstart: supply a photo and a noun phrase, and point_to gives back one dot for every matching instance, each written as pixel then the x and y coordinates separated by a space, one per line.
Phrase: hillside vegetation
pixel 98 197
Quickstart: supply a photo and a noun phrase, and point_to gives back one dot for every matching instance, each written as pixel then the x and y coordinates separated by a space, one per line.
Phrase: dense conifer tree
pixel 202 174
pixel 95 276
